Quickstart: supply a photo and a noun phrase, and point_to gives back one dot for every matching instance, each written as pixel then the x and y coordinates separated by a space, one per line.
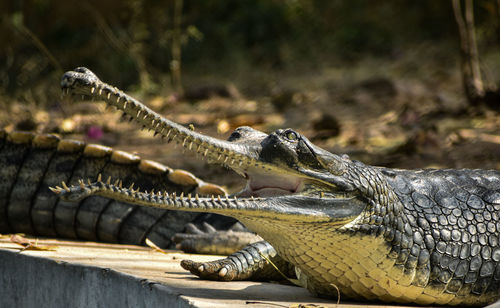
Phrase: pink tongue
pixel 270 192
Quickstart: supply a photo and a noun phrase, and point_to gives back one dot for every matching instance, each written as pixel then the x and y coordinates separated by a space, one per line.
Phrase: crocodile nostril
pixel 235 135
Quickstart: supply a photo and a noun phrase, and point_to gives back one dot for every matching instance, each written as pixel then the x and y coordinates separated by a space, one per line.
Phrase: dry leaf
pixel 154 246
pixel 29 245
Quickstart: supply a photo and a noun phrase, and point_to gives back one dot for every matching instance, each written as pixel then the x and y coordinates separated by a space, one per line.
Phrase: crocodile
pixel 407 236
pixel 30 163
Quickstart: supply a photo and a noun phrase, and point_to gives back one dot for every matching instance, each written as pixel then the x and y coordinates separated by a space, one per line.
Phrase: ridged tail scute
pixel 12 156
pixel 83 81
pixel 30 164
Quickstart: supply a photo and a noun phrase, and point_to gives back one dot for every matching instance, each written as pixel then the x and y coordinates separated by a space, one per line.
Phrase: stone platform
pixel 88 274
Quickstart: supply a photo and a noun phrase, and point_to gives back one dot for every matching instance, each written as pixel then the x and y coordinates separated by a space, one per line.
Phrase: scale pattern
pixel 31 163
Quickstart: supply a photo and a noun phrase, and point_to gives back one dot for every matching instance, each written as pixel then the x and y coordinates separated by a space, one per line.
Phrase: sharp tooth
pixel 205 153
pixel 92 90
pixel 109 95
pixel 100 91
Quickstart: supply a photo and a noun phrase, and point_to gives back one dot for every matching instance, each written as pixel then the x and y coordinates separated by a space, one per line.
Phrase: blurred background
pixel 408 84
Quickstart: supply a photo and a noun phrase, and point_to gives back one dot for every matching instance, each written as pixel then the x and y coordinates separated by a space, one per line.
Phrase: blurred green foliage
pixel 128 41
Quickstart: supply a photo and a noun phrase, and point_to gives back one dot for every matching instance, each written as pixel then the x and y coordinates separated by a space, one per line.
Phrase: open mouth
pixel 270 185
pixel 264 184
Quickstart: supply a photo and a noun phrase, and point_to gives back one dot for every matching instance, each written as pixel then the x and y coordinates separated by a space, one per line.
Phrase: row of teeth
pixel 118 187
pixel 156 125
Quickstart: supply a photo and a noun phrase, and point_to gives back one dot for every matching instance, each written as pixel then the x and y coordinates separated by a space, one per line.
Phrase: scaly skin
pixel 408 236
pixel 30 163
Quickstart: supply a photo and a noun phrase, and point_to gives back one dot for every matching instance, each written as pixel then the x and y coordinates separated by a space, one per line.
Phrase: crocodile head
pixel 290 168
pixel 287 176
pixel 291 165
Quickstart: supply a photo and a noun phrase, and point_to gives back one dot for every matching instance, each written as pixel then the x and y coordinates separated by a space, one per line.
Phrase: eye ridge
pixel 291 135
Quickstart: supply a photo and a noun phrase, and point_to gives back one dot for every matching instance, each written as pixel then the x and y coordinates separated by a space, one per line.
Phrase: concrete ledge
pixel 87 274
pixel 29 281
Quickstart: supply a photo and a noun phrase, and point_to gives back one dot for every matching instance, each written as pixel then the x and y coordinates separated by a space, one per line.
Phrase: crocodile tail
pixel 30 164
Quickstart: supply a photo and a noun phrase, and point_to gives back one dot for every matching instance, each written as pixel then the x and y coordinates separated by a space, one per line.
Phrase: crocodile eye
pixel 291 135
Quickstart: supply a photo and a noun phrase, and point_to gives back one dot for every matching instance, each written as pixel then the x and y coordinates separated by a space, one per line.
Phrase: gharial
pixel 407 236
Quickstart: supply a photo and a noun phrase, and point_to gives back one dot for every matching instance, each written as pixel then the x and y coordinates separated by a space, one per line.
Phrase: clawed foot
pixel 207 240
pixel 223 269
pixel 251 263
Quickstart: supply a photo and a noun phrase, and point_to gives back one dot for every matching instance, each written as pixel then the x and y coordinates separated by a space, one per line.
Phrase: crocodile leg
pixel 212 241
pixel 250 263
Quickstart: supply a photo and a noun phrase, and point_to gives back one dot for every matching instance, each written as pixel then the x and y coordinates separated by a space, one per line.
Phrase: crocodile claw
pixel 223 269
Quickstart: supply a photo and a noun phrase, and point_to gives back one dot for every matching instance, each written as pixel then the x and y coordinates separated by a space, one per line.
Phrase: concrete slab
pixel 88 274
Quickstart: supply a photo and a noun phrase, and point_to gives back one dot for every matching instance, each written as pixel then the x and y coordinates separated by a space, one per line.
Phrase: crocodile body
pixel 408 236
pixel 30 163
